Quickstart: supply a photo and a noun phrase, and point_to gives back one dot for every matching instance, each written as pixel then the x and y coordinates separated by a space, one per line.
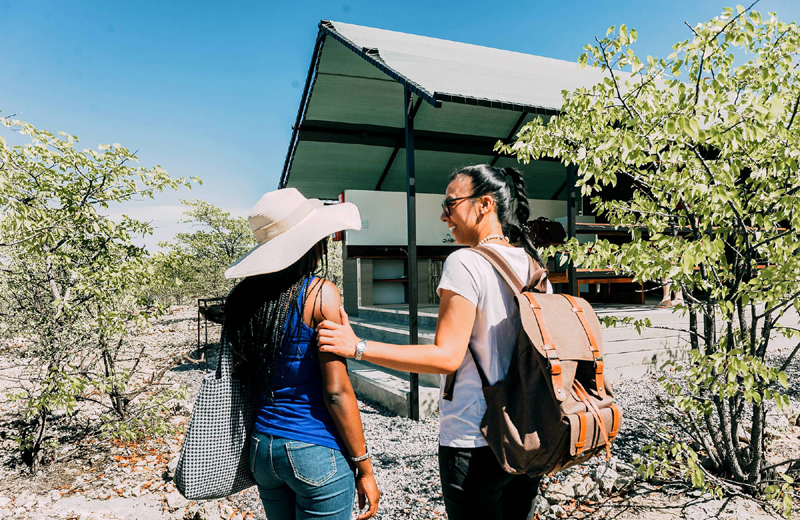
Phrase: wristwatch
pixel 361 346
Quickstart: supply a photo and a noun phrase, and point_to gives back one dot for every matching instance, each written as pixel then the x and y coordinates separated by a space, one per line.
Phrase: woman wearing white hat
pixel 308 453
pixel 483 205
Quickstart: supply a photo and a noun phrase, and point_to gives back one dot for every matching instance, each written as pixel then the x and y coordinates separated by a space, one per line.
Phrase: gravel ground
pixel 124 481
pixel 404 452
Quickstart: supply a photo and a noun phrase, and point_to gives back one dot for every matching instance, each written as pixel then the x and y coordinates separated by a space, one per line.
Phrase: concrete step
pixel 388 332
pixel 431 380
pixel 392 388
pixel 627 353
pixel 426 316
pixel 395 334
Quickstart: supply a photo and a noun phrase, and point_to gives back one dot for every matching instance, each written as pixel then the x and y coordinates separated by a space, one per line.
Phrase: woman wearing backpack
pixel 307 452
pixel 483 206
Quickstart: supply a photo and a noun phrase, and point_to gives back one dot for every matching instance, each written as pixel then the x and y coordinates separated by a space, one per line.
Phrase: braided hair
pixel 257 312
pixel 507 188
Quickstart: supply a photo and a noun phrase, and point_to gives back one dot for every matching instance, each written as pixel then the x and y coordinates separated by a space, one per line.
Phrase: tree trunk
pixel 731 457
pixel 33 456
pixel 757 445
pixel 118 401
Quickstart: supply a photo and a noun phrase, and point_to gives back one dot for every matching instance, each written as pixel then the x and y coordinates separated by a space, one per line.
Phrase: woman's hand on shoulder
pixel 337 336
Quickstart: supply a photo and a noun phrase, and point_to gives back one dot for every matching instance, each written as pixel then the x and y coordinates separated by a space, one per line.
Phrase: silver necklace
pixel 492 237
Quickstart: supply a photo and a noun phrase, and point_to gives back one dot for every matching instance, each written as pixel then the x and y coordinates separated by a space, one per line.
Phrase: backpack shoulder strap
pixel 538 277
pixel 598 358
pixel 502 267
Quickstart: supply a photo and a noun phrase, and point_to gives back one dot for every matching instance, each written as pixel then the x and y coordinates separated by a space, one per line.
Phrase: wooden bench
pixel 590 277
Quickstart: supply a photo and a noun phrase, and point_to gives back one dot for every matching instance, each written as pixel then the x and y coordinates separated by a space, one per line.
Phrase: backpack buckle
pixel 598 359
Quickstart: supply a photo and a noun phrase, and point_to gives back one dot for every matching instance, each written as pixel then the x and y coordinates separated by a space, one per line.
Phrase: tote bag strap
pixel 225 363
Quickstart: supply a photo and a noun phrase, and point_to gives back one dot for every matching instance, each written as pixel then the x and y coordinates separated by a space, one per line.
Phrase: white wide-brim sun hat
pixel 286 225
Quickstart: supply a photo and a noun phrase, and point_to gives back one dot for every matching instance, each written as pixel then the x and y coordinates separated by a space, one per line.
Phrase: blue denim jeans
pixel 297 480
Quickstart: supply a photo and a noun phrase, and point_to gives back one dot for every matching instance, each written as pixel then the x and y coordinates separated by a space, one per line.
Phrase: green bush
pixel 707 141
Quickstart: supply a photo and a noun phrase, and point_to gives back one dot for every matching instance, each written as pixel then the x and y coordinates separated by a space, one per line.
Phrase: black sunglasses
pixel 448 203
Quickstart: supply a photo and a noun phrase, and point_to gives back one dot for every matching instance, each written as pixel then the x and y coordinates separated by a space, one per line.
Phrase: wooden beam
pixel 511 134
pixel 388 137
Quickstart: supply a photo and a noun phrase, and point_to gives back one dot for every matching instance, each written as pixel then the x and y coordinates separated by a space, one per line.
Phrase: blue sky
pixel 211 89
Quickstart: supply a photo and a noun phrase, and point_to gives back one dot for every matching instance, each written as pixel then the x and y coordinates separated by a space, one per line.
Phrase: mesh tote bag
pixel 214 460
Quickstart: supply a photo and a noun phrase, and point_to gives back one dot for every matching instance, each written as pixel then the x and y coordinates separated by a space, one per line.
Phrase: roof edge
pixel 369 55
pixel 372 56
pixel 301 112
pixel 496 103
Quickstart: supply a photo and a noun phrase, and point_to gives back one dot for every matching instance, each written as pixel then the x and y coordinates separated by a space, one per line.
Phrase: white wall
pixel 383 217
pixel 551 209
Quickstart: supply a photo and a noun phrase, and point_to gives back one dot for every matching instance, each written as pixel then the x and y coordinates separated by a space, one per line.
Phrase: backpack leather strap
pixel 502 267
pixel 449 385
pixel 553 362
pixel 615 421
pixel 581 434
pixel 587 400
pixel 598 358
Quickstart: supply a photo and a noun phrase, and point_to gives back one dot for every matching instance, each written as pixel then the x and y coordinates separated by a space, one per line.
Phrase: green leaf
pixel 787 505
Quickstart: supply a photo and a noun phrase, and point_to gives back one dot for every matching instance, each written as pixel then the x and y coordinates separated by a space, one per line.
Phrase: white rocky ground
pixel 93 479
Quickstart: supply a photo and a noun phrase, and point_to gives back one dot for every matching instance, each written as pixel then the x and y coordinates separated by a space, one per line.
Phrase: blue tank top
pixel 297 410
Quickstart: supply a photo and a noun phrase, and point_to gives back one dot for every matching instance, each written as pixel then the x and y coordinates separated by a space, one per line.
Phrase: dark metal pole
pixel 572 174
pixel 413 282
pixel 198 324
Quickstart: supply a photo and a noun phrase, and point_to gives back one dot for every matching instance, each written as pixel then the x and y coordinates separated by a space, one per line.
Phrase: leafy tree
pixel 708 141
pixel 195 263
pixel 335 264
pixel 70 275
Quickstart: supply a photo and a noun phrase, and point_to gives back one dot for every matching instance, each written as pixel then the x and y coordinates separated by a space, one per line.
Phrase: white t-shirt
pixel 494 335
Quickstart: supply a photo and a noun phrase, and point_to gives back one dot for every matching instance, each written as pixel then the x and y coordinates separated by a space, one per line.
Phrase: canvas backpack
pixel 555 407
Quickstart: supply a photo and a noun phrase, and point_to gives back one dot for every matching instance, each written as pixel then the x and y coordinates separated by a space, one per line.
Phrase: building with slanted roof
pixel 386 116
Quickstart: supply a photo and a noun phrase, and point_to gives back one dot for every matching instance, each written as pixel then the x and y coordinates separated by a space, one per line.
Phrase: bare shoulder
pixel 323 302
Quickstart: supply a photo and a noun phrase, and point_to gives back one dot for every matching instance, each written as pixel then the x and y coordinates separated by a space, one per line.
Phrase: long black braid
pixel 256 314
pixel 489 180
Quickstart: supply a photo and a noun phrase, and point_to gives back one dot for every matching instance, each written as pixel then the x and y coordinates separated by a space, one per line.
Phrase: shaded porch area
pixel 627 353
